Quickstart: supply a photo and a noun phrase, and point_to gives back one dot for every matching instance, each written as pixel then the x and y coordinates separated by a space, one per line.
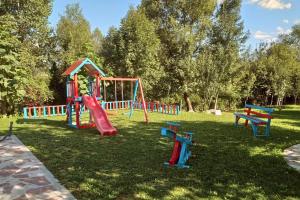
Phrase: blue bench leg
pixel 267 132
pixel 254 129
pixel 236 121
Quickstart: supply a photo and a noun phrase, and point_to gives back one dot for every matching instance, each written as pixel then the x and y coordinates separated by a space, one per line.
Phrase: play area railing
pixel 151 106
pixel 44 111
pixel 113 105
pixel 60 110
pixel 171 109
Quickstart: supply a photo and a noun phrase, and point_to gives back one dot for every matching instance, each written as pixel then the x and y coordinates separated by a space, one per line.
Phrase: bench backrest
pixel 263 115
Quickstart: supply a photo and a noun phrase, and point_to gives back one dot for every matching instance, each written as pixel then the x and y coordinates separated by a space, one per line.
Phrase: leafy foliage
pixel 75 40
pixel 181 27
pixel 133 50
pixel 12 76
pixel 25 38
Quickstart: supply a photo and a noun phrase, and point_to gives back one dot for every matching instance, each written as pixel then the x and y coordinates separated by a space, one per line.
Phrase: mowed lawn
pixel 227 162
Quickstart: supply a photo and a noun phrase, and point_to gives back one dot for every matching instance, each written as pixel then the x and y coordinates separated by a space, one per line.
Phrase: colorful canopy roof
pixel 91 68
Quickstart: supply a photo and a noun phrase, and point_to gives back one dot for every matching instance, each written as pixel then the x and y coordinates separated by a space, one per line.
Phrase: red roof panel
pixel 73 67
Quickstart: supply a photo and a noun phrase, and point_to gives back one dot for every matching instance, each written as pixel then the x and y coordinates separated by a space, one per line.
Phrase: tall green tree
pixel 281 61
pixel 295 83
pixel 275 65
pixel 33 30
pixel 98 38
pixel 293 39
pixel 181 27
pixel 75 40
pixel 133 50
pixel 225 41
pixel 28 22
pixel 111 51
pixel 73 34
pixel 12 78
pixel 140 50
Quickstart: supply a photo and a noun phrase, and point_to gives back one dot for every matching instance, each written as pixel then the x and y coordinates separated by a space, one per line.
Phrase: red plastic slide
pixel 175 153
pixel 102 122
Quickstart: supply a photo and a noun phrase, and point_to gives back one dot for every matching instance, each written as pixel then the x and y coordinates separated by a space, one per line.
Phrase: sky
pixel 264 19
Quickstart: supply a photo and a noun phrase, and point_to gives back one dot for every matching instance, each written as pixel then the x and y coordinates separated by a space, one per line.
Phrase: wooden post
pixel 122 94
pixel 49 111
pixel 75 86
pixel 104 87
pixel 29 112
pixel 76 103
pixel 116 97
pixel 143 101
pixel 40 111
pixel 131 89
pixel 97 87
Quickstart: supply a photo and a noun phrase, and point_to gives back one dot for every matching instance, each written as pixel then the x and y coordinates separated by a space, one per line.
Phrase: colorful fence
pixel 44 111
pixel 112 105
pixel 60 110
pixel 151 106
pixel 163 108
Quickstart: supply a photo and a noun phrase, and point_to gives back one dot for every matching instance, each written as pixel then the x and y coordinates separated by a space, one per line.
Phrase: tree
pixel 97 41
pixel 248 76
pixel 133 50
pixel 293 40
pixel 32 26
pixel 9 58
pixel 28 53
pixel 281 61
pixel 75 41
pixel 140 49
pixel 275 64
pixel 111 51
pixel 225 40
pixel 181 27
pixel 295 84
pixel 73 34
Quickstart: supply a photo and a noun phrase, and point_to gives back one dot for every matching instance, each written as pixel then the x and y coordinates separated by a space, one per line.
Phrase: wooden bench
pixel 256 118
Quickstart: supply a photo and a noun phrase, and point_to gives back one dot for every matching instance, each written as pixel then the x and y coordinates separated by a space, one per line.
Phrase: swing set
pixel 135 85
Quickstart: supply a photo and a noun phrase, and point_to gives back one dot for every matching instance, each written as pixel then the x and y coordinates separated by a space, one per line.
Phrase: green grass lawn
pixel 227 162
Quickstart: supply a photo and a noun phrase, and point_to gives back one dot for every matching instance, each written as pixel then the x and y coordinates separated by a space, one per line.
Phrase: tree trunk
pixel 5 105
pixel 296 97
pixel 209 102
pixel 266 100
pixel 280 103
pixel 272 98
pixel 246 100
pixel 216 102
pixel 188 102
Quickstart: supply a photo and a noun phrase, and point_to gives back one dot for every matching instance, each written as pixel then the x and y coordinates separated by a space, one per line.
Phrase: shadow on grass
pixel 227 162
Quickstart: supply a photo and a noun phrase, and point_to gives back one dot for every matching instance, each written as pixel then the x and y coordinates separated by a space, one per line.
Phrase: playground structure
pixel 97 86
pixel 77 103
pixel 255 118
pixel 181 152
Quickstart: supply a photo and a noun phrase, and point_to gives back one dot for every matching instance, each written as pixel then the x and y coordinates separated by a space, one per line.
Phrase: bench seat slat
pixel 258 114
pixel 268 110
pixel 251 118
